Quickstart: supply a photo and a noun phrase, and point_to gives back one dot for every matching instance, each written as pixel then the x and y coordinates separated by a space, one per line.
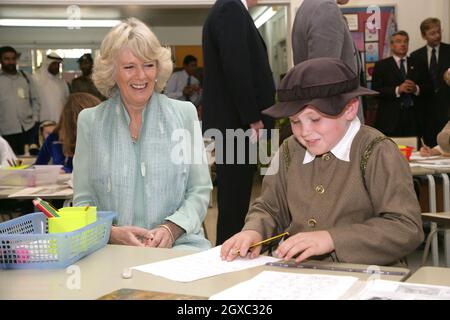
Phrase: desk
pixel 57 191
pixel 101 273
pixel 431 275
pixel 428 173
pixel 443 172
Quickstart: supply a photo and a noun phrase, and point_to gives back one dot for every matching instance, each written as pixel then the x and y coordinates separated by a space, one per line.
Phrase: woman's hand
pixel 128 235
pixel 239 245
pixel 159 237
pixel 305 245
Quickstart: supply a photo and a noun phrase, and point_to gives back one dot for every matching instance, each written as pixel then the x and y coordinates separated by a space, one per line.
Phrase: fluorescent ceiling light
pixel 66 23
pixel 263 18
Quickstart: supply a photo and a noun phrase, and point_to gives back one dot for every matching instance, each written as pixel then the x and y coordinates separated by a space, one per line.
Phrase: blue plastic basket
pixel 25 243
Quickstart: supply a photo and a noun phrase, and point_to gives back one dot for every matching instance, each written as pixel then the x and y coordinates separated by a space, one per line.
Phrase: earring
pixel 156 80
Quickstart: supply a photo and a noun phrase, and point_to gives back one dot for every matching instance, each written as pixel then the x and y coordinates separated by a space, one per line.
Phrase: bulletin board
pixel 370 34
pixel 179 52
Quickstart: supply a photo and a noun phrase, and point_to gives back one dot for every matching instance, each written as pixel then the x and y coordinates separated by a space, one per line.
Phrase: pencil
pixel 423 143
pixel 86 209
pixel 51 206
pixel 48 207
pixel 44 210
pixel 10 163
pixel 266 241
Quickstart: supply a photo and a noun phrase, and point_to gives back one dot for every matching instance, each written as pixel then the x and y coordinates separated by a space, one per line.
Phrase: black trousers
pixel 234 178
pixel 234 187
pixel 17 142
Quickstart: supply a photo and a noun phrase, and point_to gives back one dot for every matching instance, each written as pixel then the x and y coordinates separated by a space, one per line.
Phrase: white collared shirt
pixel 175 86
pixel 397 61
pixel 342 149
pixel 429 49
pixel 245 3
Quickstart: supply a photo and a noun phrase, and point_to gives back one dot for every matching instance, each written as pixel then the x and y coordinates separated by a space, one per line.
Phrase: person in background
pixel 238 84
pixel 19 105
pixel 434 57
pixel 52 90
pixel 342 190
pixel 59 146
pixel 124 157
pixel 443 144
pixel 11 206
pixel 320 30
pixel 45 128
pixel 447 77
pixel 401 83
pixel 6 153
pixel 183 85
pixel 84 82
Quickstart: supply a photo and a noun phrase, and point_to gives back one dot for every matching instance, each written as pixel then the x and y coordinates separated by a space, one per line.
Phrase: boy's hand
pixel 305 245
pixel 239 244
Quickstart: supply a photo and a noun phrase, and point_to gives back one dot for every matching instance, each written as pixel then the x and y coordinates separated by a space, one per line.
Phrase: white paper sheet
pixel 415 156
pixel 200 265
pixel 274 285
pixel 436 163
pixel 392 290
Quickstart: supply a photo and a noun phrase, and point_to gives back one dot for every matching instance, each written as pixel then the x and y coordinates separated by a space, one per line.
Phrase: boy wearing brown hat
pixel 340 189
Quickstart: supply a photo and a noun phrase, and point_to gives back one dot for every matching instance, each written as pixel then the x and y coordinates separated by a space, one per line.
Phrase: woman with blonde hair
pixel 126 160
pixel 59 146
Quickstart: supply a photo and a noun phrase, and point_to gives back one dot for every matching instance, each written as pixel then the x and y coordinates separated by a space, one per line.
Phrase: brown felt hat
pixel 327 84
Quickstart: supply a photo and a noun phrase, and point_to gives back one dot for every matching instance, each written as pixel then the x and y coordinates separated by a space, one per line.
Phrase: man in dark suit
pixel 400 83
pixel 435 57
pixel 238 85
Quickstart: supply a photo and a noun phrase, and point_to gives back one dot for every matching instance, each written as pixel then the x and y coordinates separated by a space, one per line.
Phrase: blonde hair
pixel 135 35
pixel 429 23
pixel 67 126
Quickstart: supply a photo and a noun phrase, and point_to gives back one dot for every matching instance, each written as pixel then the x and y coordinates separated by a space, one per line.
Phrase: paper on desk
pixel 415 156
pixel 436 163
pixel 200 265
pixel 391 290
pixel 56 190
pixel 274 285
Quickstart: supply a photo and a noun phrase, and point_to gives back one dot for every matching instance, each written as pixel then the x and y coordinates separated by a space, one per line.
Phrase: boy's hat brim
pixel 331 106
pixel 327 84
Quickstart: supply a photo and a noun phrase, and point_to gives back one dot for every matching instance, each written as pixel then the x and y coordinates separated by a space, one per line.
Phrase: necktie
pixel 187 97
pixel 406 97
pixel 434 69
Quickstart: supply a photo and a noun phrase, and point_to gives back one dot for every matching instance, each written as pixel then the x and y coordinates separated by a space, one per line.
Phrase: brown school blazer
pixel 379 225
